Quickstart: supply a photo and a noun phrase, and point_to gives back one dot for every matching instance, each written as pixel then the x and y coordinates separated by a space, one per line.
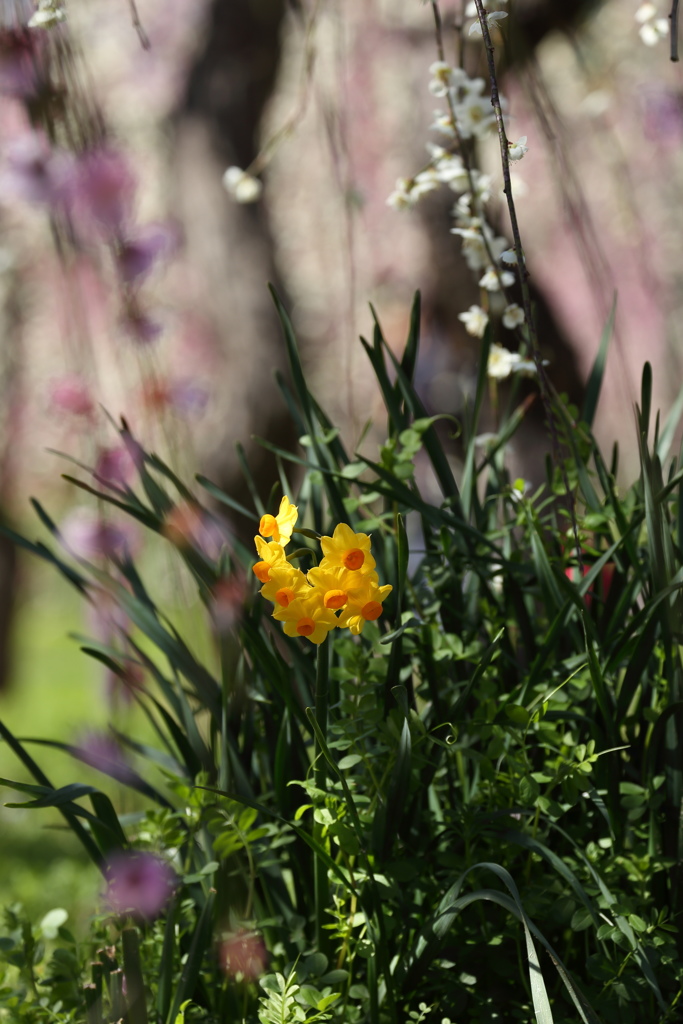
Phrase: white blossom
pixel 513 316
pixel 516 150
pixel 475 321
pixel 491 281
pixel 243 187
pixel 645 13
pixel 653 31
pixel 475 27
pixel 509 257
pixel 501 362
pixel 49 13
pixel 652 28
pixel 473 112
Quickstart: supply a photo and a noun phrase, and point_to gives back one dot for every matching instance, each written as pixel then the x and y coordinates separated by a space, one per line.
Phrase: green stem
pixel 321 886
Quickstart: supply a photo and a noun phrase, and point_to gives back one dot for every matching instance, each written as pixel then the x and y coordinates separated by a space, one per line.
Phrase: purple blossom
pixel 87 535
pixel 138 253
pixel 34 171
pixel 140 325
pixel 102 752
pixel 139 884
pixel 188 397
pixel 100 192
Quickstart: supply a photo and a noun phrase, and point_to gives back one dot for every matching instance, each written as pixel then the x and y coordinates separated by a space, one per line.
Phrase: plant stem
pixel 321 886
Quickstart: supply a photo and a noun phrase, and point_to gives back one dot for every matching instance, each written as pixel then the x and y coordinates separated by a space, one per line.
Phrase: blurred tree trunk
pixel 231 246
pixel 218 125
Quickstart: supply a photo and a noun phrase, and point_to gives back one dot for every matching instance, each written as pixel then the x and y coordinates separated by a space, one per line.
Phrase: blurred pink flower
pixel 243 955
pixel 100 192
pixel 19 49
pixel 85 534
pixel 139 884
pixel 102 752
pixel 72 394
pixel 138 253
pixel 185 396
pixel 121 689
pixel 226 608
pixel 114 467
pixel 192 526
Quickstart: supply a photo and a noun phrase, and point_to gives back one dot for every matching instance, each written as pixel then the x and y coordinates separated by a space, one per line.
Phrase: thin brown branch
pixel 674 30
pixel 138 26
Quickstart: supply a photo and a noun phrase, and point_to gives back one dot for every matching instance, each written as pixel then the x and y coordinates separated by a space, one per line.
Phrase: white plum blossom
pixel 516 150
pixel 49 13
pixel 445 78
pixel 495 16
pixel 475 321
pixel 473 113
pixel 242 186
pixel 513 316
pixel 652 28
pixel 476 236
pixel 653 31
pixel 491 281
pixel 502 362
pixel 509 257
pixel 645 12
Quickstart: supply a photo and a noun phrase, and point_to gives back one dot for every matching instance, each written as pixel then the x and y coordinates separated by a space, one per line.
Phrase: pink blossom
pixel 191 526
pixel 185 396
pixel 114 467
pixel 121 688
pixel 102 752
pixel 139 884
pixel 243 955
pixel 228 595
pixel 72 394
pixel 19 49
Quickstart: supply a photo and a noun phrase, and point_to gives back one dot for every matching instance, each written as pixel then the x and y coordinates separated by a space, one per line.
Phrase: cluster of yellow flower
pixel 308 603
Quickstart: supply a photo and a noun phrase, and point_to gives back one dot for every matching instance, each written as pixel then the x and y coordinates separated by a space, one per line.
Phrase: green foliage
pixel 490 775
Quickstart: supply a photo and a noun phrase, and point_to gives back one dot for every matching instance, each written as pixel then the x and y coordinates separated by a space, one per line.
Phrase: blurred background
pixel 147 299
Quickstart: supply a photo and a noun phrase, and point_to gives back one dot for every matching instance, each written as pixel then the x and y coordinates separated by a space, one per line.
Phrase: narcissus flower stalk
pixel 342 591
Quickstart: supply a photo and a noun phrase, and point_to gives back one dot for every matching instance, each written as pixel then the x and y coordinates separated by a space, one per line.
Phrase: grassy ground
pixel 55 692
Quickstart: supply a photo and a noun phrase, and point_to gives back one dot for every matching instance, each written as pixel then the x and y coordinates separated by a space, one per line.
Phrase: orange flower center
pixel 335 599
pixel 305 626
pixel 354 558
pixel 371 611
pixel 285 596
pixel 268 527
pixel 262 571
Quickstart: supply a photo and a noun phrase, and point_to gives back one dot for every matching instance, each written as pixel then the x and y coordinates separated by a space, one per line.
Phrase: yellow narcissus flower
pixel 365 606
pixel 285 584
pixel 307 616
pixel 347 550
pixel 272 555
pixel 338 586
pixel 279 528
